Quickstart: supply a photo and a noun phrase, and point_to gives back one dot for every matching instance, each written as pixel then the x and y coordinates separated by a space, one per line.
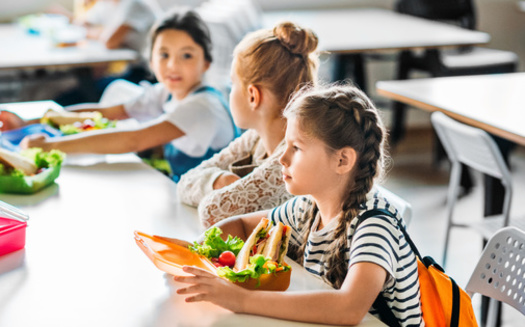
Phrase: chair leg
pixel 455 175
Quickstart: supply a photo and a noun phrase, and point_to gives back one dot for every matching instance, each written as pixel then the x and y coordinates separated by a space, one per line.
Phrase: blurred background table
pixel 493 103
pixel 348 33
pixel 36 59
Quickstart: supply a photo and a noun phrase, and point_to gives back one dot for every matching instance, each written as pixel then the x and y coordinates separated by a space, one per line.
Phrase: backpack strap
pixel 380 303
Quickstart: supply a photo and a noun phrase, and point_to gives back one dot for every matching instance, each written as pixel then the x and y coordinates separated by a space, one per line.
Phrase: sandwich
pixel 75 122
pixel 65 118
pixel 260 263
pixel 270 243
pixel 14 161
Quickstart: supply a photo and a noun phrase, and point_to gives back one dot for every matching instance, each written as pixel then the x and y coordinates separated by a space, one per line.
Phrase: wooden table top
pixel 495 103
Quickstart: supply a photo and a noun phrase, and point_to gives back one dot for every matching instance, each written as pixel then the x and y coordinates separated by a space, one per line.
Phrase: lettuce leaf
pixel 44 159
pixel 214 245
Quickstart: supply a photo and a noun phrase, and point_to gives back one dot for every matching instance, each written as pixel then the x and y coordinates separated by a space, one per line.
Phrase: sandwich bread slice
pixel 17 161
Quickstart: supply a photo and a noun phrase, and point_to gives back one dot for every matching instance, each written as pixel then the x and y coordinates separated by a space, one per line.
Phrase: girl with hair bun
pixel 269 66
pixel 334 152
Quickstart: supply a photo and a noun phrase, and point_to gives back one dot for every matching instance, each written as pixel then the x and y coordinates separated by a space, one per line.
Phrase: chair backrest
pixel 471 146
pixel 460 12
pixel 475 148
pixel 500 272
pixel 404 208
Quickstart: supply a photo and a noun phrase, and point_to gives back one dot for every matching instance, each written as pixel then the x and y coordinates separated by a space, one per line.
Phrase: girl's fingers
pixel 197 271
pixel 197 288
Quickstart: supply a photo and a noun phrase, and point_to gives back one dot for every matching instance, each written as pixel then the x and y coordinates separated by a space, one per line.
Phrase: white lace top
pixel 262 189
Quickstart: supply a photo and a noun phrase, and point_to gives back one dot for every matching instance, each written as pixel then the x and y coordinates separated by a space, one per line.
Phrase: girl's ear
pixel 254 96
pixel 347 158
pixel 206 65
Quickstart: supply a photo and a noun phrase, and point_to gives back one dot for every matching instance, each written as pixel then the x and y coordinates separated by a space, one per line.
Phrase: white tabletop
pixel 22 50
pixel 81 266
pixel 364 30
pixel 494 102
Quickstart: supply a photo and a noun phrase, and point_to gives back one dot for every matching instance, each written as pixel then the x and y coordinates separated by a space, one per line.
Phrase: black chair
pixel 450 62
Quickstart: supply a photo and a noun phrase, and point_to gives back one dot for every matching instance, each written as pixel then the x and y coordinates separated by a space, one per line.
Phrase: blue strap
pixel 180 162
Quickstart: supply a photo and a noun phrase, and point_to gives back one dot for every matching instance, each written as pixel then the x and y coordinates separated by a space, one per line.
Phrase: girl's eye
pixel 295 148
pixel 187 56
pixel 163 55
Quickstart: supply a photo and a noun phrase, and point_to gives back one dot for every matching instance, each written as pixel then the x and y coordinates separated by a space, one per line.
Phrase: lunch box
pixel 13 223
pixel 171 257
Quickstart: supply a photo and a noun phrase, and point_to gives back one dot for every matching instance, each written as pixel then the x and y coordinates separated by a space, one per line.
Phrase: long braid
pixel 343 116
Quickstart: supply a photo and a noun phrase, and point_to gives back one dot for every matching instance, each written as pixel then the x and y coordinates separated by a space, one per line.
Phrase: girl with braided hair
pixel 334 152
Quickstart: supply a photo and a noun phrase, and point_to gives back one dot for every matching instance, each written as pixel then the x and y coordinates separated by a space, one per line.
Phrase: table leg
pixel 350 66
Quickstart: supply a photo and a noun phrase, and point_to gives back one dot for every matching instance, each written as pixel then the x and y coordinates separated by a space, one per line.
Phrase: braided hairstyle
pixel 282 59
pixel 342 116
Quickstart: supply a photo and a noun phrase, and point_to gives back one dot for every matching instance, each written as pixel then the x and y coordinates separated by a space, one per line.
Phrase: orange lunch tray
pixel 170 257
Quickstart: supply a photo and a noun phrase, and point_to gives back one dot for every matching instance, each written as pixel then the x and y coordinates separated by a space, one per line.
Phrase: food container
pixel 170 257
pixel 13 223
pixel 13 137
pixel 29 184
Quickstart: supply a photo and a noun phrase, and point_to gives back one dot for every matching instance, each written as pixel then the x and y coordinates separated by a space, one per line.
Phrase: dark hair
pixel 341 116
pixel 283 59
pixel 189 21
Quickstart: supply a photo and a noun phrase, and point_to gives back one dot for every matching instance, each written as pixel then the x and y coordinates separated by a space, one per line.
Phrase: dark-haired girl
pixel 192 120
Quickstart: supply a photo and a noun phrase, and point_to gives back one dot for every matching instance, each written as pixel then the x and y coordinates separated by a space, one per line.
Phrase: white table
pixel 348 33
pixel 367 30
pixel 494 102
pixel 22 55
pixel 81 266
pixel 21 50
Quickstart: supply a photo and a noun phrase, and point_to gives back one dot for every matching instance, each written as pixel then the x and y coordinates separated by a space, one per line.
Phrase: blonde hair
pixel 282 59
pixel 341 116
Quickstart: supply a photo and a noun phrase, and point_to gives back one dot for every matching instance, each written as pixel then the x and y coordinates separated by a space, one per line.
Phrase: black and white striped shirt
pixel 377 240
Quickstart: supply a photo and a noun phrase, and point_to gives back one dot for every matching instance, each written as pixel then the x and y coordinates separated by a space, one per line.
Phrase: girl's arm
pixel 109 140
pixel 113 112
pixel 10 120
pixel 116 38
pixel 346 306
pixel 198 182
pixel 263 188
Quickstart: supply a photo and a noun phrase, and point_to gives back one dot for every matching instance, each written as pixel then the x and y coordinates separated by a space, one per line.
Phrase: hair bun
pixel 297 40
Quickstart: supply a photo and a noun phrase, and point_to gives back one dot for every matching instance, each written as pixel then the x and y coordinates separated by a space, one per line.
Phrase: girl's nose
pixel 172 63
pixel 283 159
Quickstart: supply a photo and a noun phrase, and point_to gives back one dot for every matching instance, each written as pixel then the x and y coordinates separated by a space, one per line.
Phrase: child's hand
pixel 209 287
pixel 224 180
pixel 9 121
pixel 33 141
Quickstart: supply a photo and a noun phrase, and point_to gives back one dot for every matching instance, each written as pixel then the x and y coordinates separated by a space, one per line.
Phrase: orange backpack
pixel 443 302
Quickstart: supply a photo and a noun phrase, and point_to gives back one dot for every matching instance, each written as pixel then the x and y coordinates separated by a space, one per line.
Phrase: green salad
pixel 42 160
pixel 213 245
